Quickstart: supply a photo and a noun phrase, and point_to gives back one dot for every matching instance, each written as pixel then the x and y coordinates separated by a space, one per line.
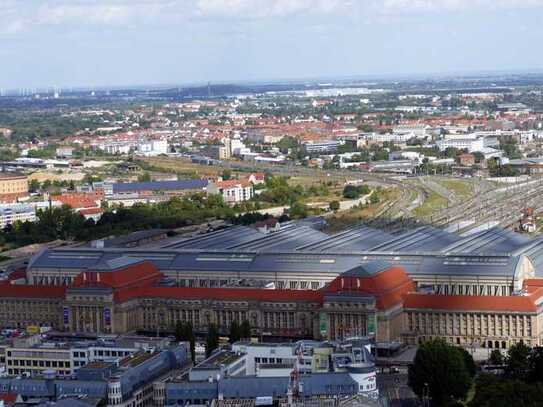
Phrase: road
pixel 394 387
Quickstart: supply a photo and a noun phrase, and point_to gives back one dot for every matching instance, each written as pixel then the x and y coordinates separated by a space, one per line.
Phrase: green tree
pixel 517 364
pixel 288 143
pixel 451 152
pixel 144 177
pixel 334 205
pixel 185 333
pixel 536 365
pixel 442 368
pixel 468 362
pixel 235 333
pixel 245 330
pixel 212 339
pixel 380 155
pixel 479 157
pixel 510 149
pixel 351 192
pixel 298 211
pixel 374 198
pixel 496 357
pixel 226 174
pixel 34 185
pixel 493 391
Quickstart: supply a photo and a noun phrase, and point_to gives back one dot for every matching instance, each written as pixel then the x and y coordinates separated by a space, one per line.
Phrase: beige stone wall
pixel 480 329
pixel 21 312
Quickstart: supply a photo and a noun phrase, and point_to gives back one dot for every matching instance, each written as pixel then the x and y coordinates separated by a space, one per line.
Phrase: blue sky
pixel 130 42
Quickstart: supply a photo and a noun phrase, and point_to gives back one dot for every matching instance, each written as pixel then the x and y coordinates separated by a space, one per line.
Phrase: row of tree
pixel 63 223
pixel 184 333
pixel 444 374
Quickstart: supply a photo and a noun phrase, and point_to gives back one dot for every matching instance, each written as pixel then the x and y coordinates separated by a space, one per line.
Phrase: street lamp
pixel 425 395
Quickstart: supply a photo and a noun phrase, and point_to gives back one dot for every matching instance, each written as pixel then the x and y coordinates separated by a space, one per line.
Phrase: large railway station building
pixel 479 290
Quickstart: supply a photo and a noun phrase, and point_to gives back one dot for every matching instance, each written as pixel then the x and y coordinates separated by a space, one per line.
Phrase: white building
pixel 232 191
pixel 326 146
pixel 31 356
pixel 152 147
pixel 407 132
pixel 11 213
pixel 470 142
pixel 258 354
pixel 116 147
pixel 64 152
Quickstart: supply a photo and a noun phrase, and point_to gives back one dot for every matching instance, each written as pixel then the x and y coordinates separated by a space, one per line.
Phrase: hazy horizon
pixel 113 43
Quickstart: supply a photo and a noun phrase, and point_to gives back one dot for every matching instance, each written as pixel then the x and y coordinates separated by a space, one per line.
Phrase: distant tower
pixel 209 89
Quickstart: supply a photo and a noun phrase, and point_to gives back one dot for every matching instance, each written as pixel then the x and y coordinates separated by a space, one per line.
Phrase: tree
pixel 350 192
pixel 380 155
pixel 496 357
pixel 245 330
pixel 235 333
pixel 468 362
pixel 493 391
pixel 287 143
pixel 517 364
pixel 185 333
pixel 226 174
pixel 212 339
pixel 144 177
pixel 510 148
pixel 440 367
pixel 451 152
pixel 334 205
pixel 479 157
pixel 298 211
pixel 536 365
pixel 33 185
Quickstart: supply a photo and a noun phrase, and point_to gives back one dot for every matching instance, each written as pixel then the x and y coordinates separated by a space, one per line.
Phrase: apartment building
pixel 13 187
pixel 32 355
pixel 232 191
pixel 11 213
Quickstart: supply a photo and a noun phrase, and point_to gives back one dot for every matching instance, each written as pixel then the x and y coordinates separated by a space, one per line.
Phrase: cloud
pixel 269 8
pixel 281 8
pixel 417 6
pixel 17 16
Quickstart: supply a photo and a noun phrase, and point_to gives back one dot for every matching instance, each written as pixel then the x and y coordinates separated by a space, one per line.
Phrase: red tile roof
pixel 31 291
pixel 232 183
pixel 91 211
pixel 138 275
pixel 259 176
pixel 388 286
pixel 77 200
pixel 239 294
pixel 517 303
pixel 8 398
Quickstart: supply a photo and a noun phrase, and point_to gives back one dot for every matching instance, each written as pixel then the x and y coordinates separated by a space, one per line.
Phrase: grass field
pixel 461 188
pixel 431 204
pixel 353 217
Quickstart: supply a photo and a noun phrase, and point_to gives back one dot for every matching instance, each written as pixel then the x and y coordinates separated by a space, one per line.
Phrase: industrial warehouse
pixel 295 282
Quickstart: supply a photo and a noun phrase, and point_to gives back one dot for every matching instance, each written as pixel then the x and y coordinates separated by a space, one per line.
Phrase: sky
pixel 95 43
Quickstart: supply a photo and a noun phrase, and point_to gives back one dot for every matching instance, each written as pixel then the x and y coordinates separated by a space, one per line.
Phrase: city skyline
pixel 115 42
